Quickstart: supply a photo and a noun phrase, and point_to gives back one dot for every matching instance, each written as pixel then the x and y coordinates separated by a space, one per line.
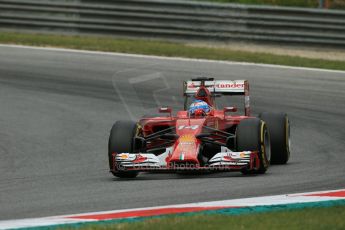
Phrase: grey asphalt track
pixel 56 110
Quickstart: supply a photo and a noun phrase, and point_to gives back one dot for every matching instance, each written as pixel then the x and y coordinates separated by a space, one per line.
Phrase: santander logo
pixel 230 85
pixel 224 85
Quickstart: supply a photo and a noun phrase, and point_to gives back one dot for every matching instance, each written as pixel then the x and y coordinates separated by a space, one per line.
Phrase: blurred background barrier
pixel 183 20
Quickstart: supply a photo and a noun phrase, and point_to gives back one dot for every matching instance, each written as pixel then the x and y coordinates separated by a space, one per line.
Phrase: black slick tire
pixel 121 141
pixel 252 135
pixel 278 125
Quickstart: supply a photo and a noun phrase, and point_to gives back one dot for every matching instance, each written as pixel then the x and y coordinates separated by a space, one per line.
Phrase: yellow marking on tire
pixel 263 149
pixel 138 128
pixel 262 129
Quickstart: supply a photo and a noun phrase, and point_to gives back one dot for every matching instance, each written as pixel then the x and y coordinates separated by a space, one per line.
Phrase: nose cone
pixel 187 146
pixel 186 150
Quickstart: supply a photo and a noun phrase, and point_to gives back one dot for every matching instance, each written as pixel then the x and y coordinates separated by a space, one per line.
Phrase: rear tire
pixel 121 141
pixel 252 135
pixel 279 127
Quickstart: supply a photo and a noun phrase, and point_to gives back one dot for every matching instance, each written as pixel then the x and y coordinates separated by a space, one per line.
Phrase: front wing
pixel 223 161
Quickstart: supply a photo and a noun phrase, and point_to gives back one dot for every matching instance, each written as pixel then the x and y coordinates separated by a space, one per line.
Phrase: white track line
pixel 246 202
pixel 171 58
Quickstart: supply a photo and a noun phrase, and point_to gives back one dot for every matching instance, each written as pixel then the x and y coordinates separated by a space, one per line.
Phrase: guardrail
pixel 176 19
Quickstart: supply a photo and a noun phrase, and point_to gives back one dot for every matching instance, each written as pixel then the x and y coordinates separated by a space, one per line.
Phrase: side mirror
pixel 230 109
pixel 165 110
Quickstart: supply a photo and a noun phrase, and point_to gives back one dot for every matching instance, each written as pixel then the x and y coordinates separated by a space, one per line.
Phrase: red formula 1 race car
pixel 202 136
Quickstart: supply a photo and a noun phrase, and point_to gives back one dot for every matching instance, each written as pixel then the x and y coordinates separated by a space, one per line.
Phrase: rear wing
pixel 223 87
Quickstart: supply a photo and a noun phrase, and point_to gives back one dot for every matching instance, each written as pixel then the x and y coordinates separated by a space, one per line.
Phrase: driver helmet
pixel 199 107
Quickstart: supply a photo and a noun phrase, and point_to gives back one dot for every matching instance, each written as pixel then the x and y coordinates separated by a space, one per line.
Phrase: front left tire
pixel 278 125
pixel 253 135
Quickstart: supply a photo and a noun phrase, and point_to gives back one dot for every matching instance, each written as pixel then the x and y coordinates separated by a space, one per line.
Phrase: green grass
pixel 309 218
pixel 162 48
